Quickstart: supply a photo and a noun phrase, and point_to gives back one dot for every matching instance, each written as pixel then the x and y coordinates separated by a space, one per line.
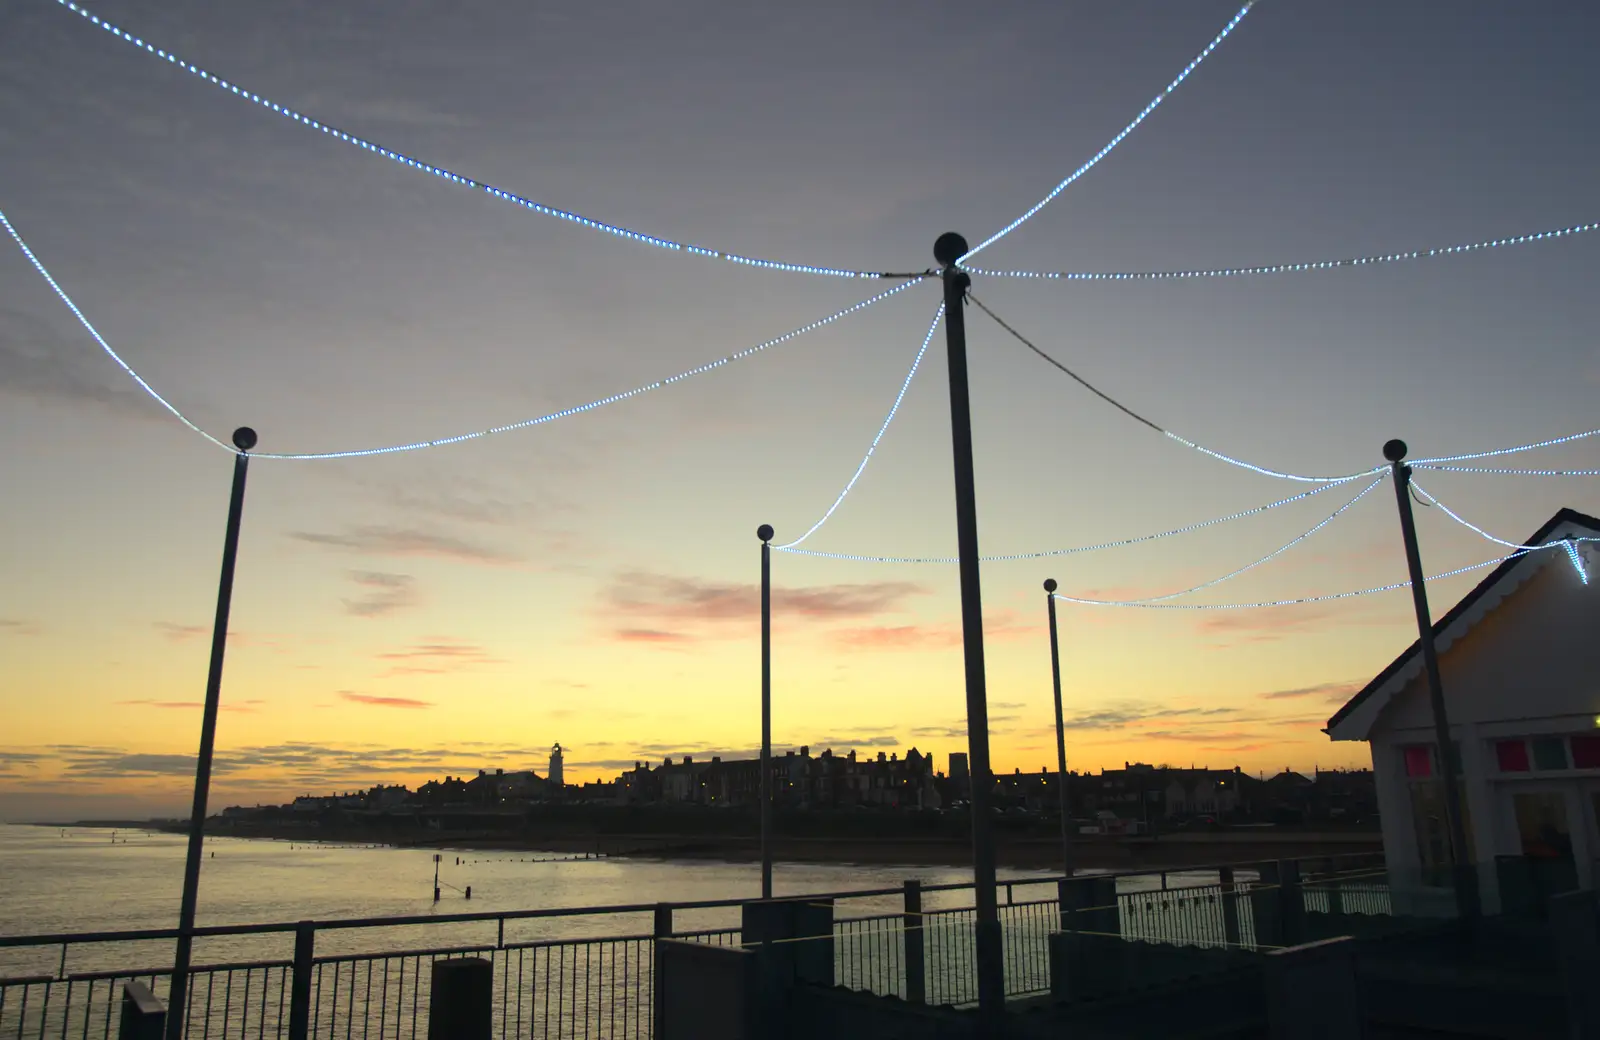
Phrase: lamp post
pixel 1465 875
pixel 764 532
pixel 244 438
pixel 1061 729
pixel 949 248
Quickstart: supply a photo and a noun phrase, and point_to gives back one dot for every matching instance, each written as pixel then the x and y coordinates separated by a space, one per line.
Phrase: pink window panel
pixel 1419 760
pixel 1586 752
pixel 1513 756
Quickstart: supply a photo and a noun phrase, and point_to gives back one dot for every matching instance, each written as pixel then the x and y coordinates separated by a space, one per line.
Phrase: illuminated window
pixel 1419 761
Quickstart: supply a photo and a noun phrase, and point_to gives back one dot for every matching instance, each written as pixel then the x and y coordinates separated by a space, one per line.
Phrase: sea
pixel 571 975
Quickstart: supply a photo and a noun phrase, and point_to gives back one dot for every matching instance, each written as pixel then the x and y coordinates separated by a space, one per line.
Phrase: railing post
pixel 663 920
pixel 1292 905
pixel 1230 907
pixel 1335 895
pixel 305 938
pixel 461 999
pixel 143 1016
pixel 916 976
pixel 1266 906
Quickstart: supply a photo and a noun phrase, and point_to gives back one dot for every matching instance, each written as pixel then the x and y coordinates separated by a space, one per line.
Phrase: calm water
pixel 78 880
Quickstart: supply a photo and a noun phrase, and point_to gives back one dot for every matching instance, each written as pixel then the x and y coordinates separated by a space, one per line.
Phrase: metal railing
pixel 560 986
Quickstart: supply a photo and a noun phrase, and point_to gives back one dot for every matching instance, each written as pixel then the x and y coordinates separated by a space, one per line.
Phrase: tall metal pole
pixel 244 438
pixel 764 532
pixel 1061 731
pixel 1465 875
pixel 990 960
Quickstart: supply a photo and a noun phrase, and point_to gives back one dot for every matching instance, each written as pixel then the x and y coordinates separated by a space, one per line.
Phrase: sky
pixel 592 580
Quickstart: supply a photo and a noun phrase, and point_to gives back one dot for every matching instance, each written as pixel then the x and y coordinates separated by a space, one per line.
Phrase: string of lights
pixel 83 320
pixel 894 408
pixel 1047 553
pixel 1102 153
pixel 455 178
pixel 112 354
pixel 1084 601
pixel 1229 459
pixel 1291 268
pixel 1552 442
pixel 1501 471
pixel 1570 543
pixel 1274 554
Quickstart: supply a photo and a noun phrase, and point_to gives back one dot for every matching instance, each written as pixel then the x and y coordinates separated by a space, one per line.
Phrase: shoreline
pixel 1026 852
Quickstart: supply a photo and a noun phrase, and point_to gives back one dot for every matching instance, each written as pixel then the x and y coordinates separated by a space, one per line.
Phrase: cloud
pixel 119 765
pixel 651 635
pixel 1123 716
pixel 1332 691
pixel 244 706
pixel 384 702
pixel 178 633
pixel 440 654
pixel 1000 624
pixel 399 541
pixel 37 361
pixel 386 593
pixel 17 627
pixel 663 598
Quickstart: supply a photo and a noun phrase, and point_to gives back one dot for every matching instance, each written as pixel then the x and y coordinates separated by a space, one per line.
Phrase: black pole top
pixel 764 532
pixel 949 248
pixel 1050 585
pixel 1395 450
pixel 244 438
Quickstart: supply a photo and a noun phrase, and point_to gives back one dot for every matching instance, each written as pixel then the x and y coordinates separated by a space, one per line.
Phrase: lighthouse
pixel 555 766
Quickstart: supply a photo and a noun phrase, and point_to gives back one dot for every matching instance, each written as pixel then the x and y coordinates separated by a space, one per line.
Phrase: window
pixel 1512 756
pixel 1586 752
pixel 1419 761
pixel 1550 753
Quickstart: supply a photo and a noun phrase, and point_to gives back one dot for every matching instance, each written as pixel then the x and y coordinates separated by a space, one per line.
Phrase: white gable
pixel 1528 648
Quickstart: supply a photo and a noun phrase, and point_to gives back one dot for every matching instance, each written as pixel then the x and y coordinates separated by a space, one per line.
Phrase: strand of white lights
pixel 1551 443
pixel 1294 268
pixel 1570 543
pixel 1513 472
pixel 95 333
pixel 1124 409
pixel 455 178
pixel 1102 153
pixel 442 441
pixel 1047 553
pixel 1271 555
pixel 1283 602
pixel 916 362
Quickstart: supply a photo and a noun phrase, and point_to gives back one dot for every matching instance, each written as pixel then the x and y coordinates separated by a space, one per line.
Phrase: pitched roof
pixel 1385 684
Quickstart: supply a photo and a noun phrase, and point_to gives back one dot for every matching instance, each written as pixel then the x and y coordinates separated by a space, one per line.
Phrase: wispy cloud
pixel 176 632
pixel 383 593
pixel 1125 715
pixel 1000 624
pixel 1331 691
pixel 401 541
pixel 384 702
pixel 436 656
pixel 18 627
pixel 40 362
pixel 244 706
pixel 659 637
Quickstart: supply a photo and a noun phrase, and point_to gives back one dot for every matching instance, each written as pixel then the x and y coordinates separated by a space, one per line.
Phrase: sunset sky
pixel 592 580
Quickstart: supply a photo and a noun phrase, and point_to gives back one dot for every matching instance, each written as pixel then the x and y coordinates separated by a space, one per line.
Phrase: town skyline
pixel 593 578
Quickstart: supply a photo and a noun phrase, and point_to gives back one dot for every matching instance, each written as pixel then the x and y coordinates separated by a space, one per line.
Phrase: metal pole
pixel 990 963
pixel 764 532
pixel 1465 876
pixel 1061 731
pixel 244 438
